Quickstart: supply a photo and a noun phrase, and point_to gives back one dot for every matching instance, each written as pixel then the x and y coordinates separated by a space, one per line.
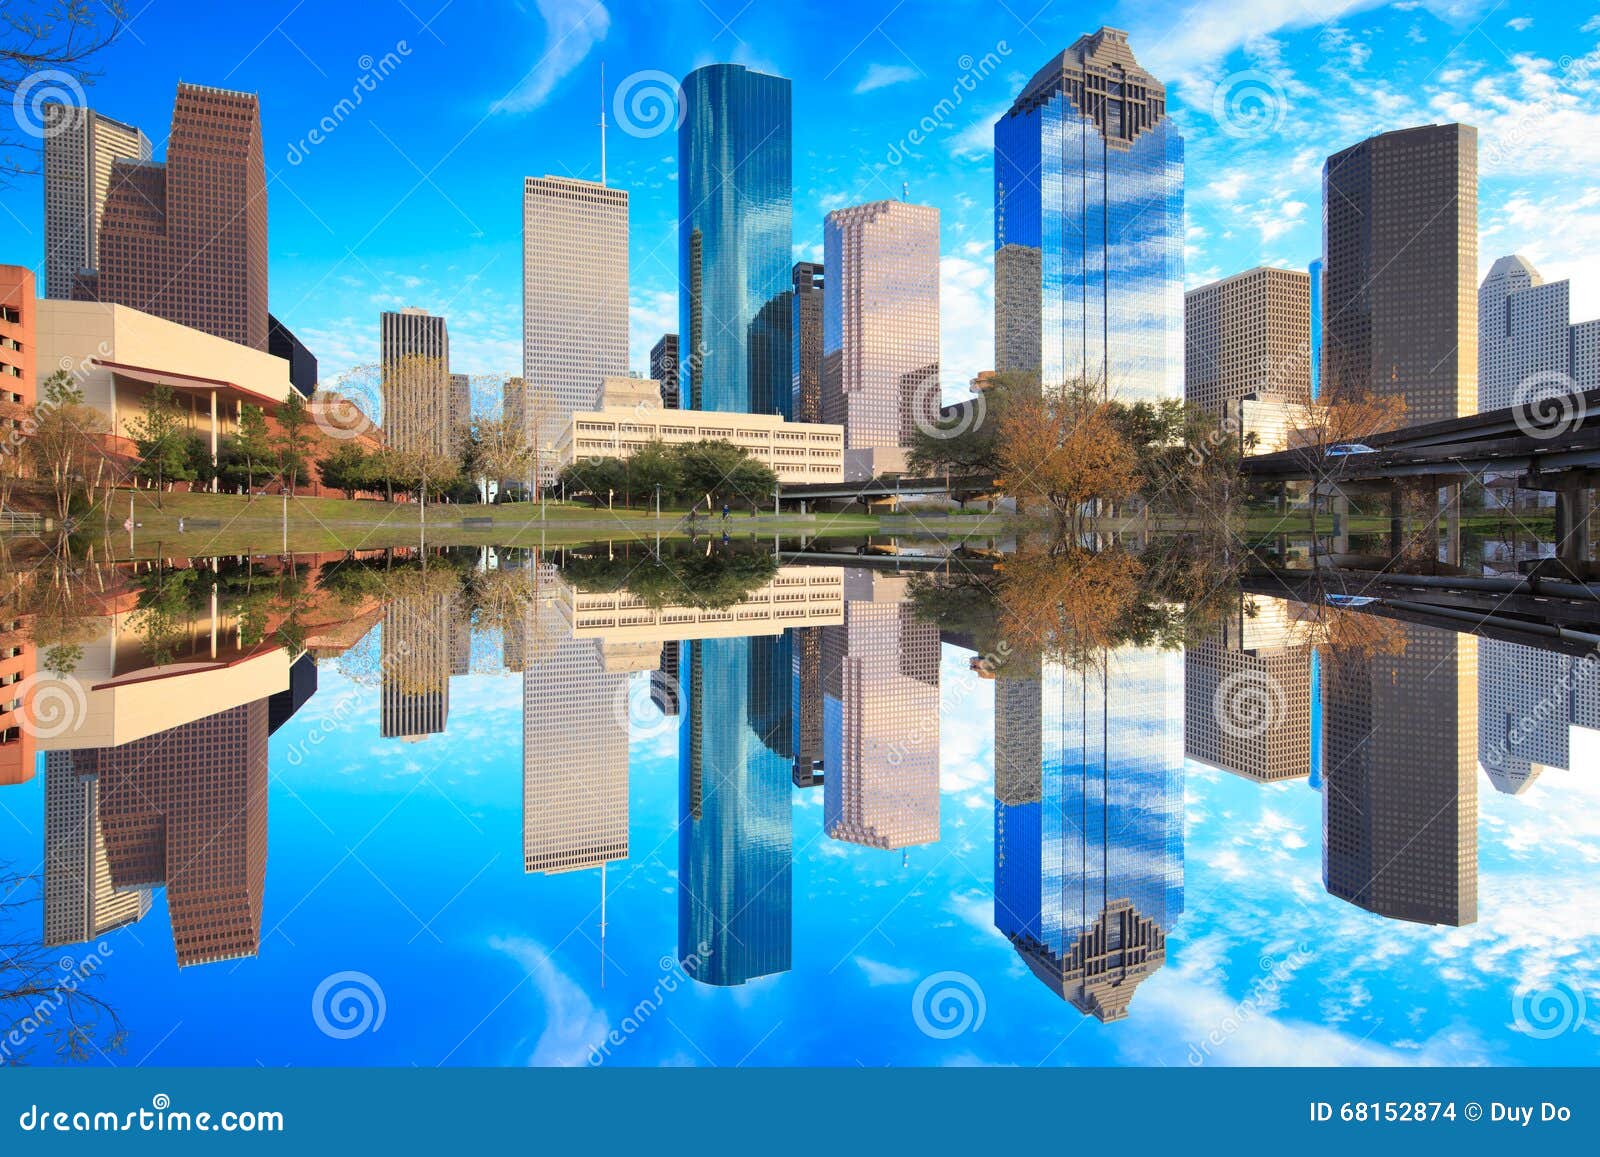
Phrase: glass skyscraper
pixel 1088 841
pixel 1089 225
pixel 735 225
pixel 735 831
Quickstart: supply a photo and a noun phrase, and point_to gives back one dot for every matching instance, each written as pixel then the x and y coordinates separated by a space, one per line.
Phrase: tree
pixel 1338 420
pixel 63 441
pixel 968 442
pixel 252 445
pixel 162 438
pixel 348 467
pixel 655 466
pixel 500 449
pixel 723 471
pixel 1066 450
pixel 291 445
pixel 47 996
pixel 598 478
pixel 45 50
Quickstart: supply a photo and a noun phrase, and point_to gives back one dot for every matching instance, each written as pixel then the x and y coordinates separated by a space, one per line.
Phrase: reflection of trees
pixel 47 997
pixel 710 577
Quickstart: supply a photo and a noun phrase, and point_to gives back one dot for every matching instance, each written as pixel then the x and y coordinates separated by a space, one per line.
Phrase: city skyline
pixel 1232 227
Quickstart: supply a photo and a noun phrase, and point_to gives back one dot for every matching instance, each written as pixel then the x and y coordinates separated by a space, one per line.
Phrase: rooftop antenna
pixel 602 924
pixel 602 122
pixel 905 190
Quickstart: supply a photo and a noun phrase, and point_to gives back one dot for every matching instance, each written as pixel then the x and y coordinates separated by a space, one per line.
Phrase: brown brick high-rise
pixel 187 240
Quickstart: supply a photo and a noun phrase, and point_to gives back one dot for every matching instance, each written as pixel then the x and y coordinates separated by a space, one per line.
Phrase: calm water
pixel 597 807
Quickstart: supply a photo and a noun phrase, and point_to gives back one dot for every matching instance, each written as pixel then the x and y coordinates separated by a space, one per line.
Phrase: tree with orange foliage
pixel 1065 448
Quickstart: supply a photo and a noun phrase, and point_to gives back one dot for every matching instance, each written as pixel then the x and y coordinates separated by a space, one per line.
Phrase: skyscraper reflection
pixel 186 809
pixel 1400 789
pixel 880 718
pixel 735 831
pixel 1089 831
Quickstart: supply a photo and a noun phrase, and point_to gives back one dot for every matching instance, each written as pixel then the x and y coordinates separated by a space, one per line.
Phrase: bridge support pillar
pixel 1573 541
pixel 1452 523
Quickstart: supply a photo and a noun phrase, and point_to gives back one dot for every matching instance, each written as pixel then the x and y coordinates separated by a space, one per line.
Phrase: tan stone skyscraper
pixel 1400 246
pixel 80 900
pixel 418 393
pixel 880 330
pixel 1249 337
pixel 574 299
pixel 1247 694
pixel 80 148
pixel 574 749
pixel 881 732
pixel 187 240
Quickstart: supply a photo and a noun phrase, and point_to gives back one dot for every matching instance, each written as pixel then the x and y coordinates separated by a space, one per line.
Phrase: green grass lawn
pixel 230 524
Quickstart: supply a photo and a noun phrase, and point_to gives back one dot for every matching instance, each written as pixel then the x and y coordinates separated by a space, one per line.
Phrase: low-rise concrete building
pixel 630 417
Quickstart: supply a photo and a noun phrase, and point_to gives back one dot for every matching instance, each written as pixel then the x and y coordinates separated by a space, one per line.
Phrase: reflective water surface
pixel 781 803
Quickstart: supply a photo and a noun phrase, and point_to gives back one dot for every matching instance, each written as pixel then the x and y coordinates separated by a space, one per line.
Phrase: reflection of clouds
pixel 878 973
pixel 572 1024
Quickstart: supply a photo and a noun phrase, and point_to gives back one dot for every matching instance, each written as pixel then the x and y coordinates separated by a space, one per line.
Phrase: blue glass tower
pixel 735 830
pixel 1088 220
pixel 1088 841
pixel 735 225
pixel 1316 329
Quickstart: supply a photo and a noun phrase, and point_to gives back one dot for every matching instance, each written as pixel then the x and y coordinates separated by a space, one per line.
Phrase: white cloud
pixel 1520 23
pixel 571 29
pixel 966 321
pixel 573 1026
pixel 880 974
pixel 884 75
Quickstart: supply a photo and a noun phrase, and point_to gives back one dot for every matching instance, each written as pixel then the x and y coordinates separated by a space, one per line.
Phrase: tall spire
pixel 602 122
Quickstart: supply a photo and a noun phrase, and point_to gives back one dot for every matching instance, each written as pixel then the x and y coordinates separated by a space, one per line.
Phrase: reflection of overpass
pixel 1543 445
pixel 1550 616
pixel 954 563
pixel 883 489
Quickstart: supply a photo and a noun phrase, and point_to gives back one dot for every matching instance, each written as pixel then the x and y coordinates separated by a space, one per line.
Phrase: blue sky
pixel 414 197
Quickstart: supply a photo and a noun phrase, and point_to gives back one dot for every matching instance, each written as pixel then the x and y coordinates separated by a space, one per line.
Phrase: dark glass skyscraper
pixel 1088 226
pixel 735 225
pixel 735 831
